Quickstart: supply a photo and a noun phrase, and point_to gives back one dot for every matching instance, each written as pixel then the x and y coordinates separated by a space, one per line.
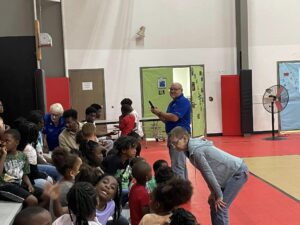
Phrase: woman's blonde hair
pixel 178 132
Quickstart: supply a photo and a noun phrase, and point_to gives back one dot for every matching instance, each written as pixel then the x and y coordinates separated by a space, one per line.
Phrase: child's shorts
pixel 17 193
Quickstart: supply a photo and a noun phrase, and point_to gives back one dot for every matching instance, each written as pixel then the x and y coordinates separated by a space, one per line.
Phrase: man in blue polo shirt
pixel 178 114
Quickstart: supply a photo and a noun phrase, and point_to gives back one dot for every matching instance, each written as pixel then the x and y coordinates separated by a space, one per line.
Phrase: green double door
pixel 155 84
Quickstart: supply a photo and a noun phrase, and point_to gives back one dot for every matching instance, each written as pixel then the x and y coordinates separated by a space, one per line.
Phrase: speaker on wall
pixel 246 102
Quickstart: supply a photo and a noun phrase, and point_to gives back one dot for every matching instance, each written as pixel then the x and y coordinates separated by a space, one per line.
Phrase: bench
pixel 8 211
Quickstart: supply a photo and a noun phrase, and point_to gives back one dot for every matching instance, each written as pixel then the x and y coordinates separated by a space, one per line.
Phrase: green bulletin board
pixel 198 101
pixel 155 85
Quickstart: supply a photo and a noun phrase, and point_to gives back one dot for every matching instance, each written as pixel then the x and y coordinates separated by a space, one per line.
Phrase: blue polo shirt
pixel 52 131
pixel 181 107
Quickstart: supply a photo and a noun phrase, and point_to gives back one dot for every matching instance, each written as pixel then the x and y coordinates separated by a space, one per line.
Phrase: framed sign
pixel 87 86
pixel 162 83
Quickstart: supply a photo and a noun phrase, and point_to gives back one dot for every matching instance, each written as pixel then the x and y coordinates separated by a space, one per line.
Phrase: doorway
pixel 155 82
pixel 87 87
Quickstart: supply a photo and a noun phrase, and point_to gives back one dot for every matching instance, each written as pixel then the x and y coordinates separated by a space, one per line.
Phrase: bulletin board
pixel 289 77
pixel 155 86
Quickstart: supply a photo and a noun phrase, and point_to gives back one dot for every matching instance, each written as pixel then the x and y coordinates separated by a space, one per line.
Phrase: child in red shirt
pixel 126 120
pixel 139 199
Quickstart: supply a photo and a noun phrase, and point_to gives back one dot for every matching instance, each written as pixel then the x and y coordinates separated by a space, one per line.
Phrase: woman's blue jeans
pixel 230 191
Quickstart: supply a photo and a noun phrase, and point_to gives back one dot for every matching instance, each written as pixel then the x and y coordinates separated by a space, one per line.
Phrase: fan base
pixel 276 138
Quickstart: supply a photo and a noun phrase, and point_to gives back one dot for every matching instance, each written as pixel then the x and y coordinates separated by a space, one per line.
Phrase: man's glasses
pixel 174 89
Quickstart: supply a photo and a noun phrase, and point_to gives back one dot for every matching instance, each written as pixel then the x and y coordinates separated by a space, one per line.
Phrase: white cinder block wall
pixel 101 34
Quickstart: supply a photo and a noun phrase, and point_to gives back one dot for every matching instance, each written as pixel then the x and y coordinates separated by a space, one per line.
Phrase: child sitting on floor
pixel 181 216
pixel 151 184
pixel 164 174
pixel 89 133
pixel 109 196
pixel 139 196
pixel 92 154
pixel 139 139
pixel 117 164
pixel 14 169
pixel 109 201
pixel 29 135
pixel 82 202
pixel 68 165
pixel 165 198
pixel 33 216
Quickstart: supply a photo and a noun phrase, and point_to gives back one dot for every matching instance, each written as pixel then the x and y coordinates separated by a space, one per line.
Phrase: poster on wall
pixel 162 83
pixel 161 92
pixel 87 86
pixel 289 77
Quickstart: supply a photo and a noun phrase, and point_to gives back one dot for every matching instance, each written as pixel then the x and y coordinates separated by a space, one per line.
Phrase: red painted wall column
pixel 230 96
pixel 58 91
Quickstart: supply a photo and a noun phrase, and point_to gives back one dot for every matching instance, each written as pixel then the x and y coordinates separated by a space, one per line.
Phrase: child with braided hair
pixel 109 190
pixel 82 202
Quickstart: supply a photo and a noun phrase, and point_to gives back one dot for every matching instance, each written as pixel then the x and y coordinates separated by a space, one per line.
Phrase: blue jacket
pixel 215 165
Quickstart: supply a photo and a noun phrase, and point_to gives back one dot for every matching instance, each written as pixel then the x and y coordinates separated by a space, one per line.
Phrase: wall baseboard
pixel 255 132
pixel 214 134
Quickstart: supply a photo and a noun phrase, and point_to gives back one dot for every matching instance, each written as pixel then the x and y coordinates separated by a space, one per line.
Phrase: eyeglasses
pixel 55 115
pixel 174 143
pixel 174 89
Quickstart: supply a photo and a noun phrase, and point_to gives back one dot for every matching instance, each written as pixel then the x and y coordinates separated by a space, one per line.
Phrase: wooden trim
pixel 37 41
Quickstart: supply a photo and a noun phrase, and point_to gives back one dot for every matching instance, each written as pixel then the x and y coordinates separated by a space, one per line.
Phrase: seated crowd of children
pixel 64 172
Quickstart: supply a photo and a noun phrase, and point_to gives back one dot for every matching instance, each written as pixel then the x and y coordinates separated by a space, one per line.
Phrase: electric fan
pixel 275 99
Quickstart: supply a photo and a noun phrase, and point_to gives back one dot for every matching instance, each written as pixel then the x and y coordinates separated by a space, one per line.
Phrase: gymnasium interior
pixel 237 60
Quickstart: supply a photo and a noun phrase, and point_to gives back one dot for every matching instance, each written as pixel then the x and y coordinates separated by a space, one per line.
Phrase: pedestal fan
pixel 275 99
